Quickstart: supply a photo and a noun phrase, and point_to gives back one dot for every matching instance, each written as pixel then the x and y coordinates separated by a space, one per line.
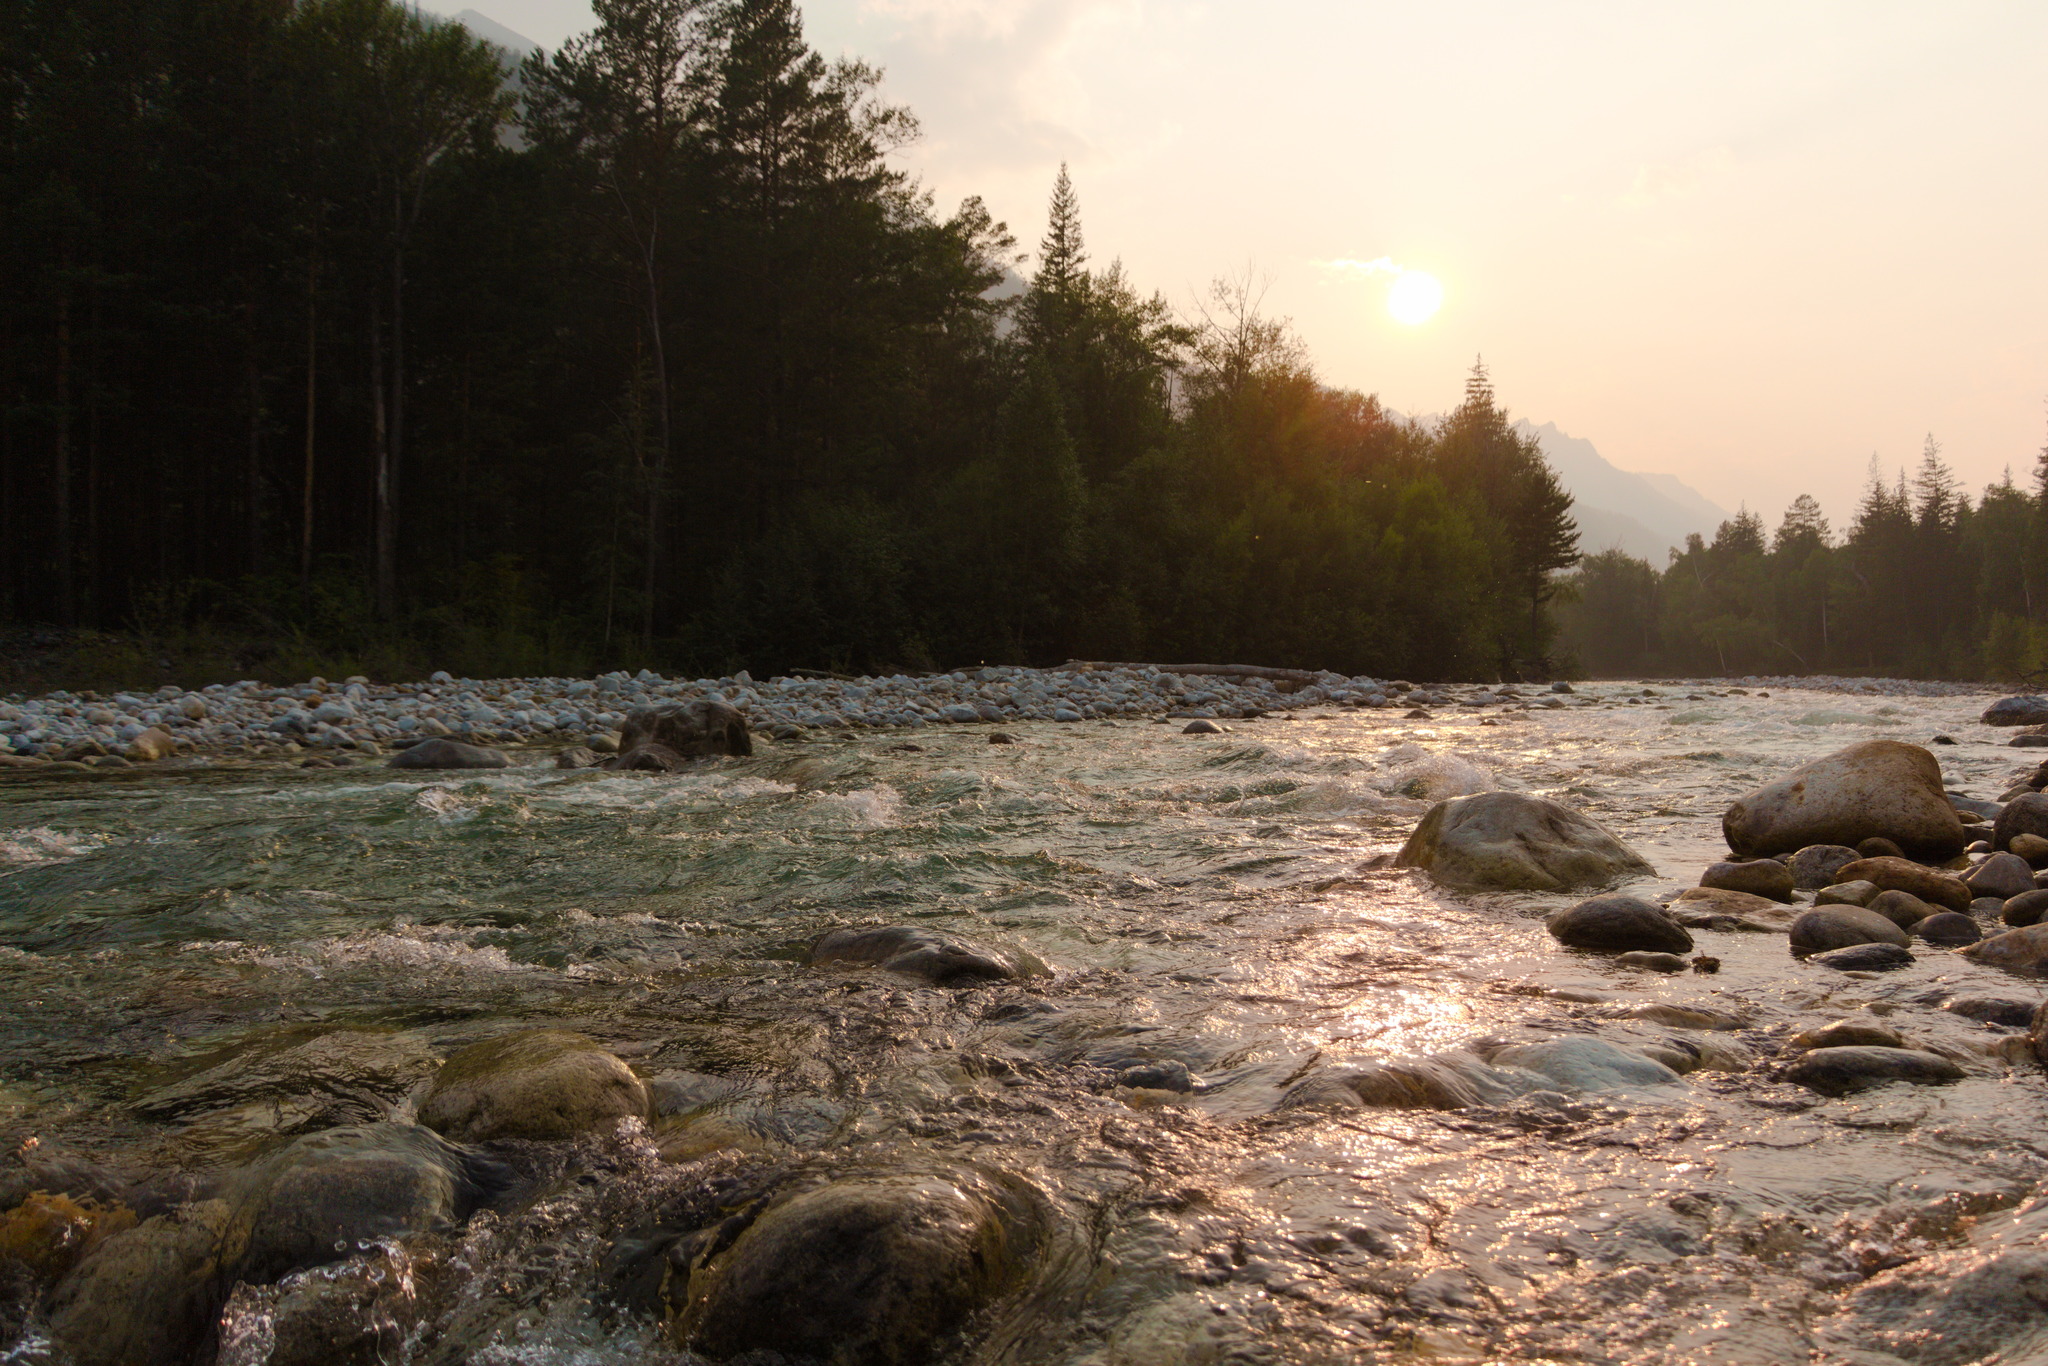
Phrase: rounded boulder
pixel 1764 877
pixel 1619 924
pixel 2026 814
pixel 875 1270
pixel 2002 875
pixel 438 753
pixel 1931 885
pixel 1509 841
pixel 1825 928
pixel 1946 929
pixel 533 1084
pixel 1815 866
pixel 1839 1071
pixel 2025 909
pixel 1880 788
pixel 1901 908
pixel 2022 952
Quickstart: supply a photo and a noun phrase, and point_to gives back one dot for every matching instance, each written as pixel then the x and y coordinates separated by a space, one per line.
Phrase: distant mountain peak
pixel 495 33
pixel 1646 515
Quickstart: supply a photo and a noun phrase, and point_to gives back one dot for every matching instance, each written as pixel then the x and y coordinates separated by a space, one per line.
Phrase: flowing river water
pixel 1211 901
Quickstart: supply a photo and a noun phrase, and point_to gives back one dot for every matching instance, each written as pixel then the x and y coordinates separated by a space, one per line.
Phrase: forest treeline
pixel 327 325
pixel 1924 583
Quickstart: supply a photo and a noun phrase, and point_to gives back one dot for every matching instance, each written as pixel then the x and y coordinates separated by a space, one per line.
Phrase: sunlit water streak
pixel 1200 899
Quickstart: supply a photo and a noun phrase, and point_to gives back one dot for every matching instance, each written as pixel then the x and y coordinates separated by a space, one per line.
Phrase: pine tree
pixel 1062 253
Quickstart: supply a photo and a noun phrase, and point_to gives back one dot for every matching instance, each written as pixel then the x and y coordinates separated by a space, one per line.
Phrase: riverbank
pixel 355 719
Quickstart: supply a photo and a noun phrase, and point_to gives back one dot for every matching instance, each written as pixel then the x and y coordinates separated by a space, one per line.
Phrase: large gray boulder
pixel 2016 711
pixel 1508 841
pixel 1880 788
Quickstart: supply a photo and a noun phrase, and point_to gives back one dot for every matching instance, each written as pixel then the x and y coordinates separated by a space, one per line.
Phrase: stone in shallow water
pixel 1508 841
pixel 2022 952
pixel 1655 962
pixel 534 1084
pixel 875 1270
pixel 1931 885
pixel 1846 894
pixel 2016 711
pixel 1846 1034
pixel 1877 788
pixel 447 754
pixel 2025 909
pixel 1864 958
pixel 2012 1011
pixel 2001 875
pixel 1583 1064
pixel 1619 924
pixel 1201 728
pixel 939 959
pixel 1901 908
pixel 1839 1071
pixel 147 1297
pixel 1947 930
pixel 1825 928
pixel 1766 878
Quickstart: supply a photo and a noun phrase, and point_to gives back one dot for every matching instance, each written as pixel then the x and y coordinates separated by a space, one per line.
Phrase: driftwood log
pixel 1297 676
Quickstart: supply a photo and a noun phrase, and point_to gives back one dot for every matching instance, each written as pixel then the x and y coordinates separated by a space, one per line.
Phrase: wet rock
pixel 1846 1034
pixel 1585 1064
pixel 1986 907
pixel 1655 962
pixel 1705 963
pixel 2016 711
pixel 534 1084
pixel 2025 909
pixel 147 1296
pixel 328 1194
pixel 1825 928
pixel 359 1313
pixel 1766 878
pixel 939 959
pixel 2032 848
pixel 1158 1076
pixel 2022 952
pixel 1875 788
pixel 151 745
pixel 1201 728
pixel 1618 924
pixel 1978 811
pixel 1946 929
pixel 1864 958
pixel 2026 814
pixel 1840 1071
pixel 1444 1081
pixel 997 737
pixel 2001 875
pixel 1901 908
pixel 1877 846
pixel 2012 1011
pixel 647 758
pixel 1816 866
pixel 1711 908
pixel 47 1234
pixel 579 756
pixel 1857 893
pixel 1903 875
pixel 348 1077
pixel 1507 841
pixel 439 753
pixel 690 729
pixel 864 1271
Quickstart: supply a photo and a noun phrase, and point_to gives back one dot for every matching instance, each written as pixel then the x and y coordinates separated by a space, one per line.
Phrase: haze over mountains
pixel 1647 515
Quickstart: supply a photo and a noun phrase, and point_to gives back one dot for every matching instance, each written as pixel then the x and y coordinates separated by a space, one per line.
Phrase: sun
pixel 1414 297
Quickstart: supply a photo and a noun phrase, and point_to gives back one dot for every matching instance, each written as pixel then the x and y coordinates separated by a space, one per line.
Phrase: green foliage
pixel 336 345
pixel 1925 584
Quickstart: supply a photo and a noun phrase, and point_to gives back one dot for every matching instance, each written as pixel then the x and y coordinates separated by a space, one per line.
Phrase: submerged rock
pixel 878 1270
pixel 1507 841
pixel 1839 1071
pixel 1864 958
pixel 147 1296
pixel 1655 962
pixel 1766 878
pixel 360 1069
pixel 328 1194
pixel 448 754
pixel 579 756
pixel 1875 788
pixel 1903 875
pixel 1617 924
pixel 1585 1064
pixel 2022 952
pixel 534 1084
pixel 2012 1011
pixel 939 959
pixel 1710 908
pixel 1816 866
pixel 1826 928
pixel 1846 1034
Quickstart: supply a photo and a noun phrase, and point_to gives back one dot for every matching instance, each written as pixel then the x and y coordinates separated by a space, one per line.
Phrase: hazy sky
pixel 1746 243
